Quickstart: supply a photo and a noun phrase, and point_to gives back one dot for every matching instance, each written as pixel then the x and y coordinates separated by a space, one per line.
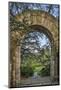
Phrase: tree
pixel 17 8
pixel 36 60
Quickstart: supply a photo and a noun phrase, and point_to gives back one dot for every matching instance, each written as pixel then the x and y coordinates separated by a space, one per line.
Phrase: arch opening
pixel 36 52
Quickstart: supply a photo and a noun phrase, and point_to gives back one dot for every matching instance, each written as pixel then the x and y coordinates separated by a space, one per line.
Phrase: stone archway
pixel 28 20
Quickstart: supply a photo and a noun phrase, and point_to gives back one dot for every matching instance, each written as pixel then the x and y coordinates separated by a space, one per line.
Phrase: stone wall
pixel 29 20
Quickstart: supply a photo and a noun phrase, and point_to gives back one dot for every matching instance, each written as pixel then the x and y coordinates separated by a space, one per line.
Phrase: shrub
pixel 45 71
pixel 26 71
